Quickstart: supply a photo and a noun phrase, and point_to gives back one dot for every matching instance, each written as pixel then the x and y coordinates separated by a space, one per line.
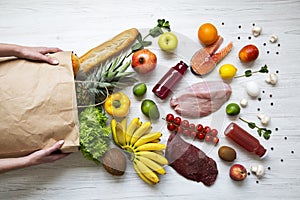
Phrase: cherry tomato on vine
pixel 169 117
pixel 177 120
pixel 171 127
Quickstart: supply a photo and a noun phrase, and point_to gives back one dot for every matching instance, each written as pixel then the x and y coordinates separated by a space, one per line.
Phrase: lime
pixel 227 71
pixel 139 89
pixel 233 109
pixel 150 109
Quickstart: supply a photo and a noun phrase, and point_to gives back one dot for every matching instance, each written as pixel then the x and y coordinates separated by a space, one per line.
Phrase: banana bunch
pixel 146 153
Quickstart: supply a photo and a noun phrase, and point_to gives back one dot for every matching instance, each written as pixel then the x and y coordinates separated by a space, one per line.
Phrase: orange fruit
pixel 207 34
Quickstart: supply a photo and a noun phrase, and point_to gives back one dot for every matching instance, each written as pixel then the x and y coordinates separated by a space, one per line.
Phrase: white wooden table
pixel 80 25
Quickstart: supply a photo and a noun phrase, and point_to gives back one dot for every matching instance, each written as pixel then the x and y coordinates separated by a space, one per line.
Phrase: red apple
pixel 238 172
pixel 143 61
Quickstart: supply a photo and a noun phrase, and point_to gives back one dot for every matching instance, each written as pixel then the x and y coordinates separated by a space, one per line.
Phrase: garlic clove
pixel 244 102
pixel 273 38
pixel 256 30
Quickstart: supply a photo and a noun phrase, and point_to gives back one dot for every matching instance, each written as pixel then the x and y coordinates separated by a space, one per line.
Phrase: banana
pixel 120 134
pixel 154 156
pixel 124 124
pixel 141 175
pixel 113 125
pixel 146 171
pixel 133 125
pixel 151 164
pixel 155 141
pixel 142 130
pixel 147 138
pixel 150 147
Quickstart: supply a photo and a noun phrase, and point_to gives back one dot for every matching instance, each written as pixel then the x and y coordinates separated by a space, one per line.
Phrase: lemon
pixel 227 71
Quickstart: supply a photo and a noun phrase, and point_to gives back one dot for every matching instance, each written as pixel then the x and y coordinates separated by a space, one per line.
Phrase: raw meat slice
pixel 190 162
pixel 201 99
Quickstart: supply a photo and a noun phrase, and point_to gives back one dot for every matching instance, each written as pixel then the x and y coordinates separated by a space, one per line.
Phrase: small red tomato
pixel 186 132
pixel 248 53
pixel 214 132
pixel 177 120
pixel 201 136
pixel 194 134
pixel 215 140
pixel 179 130
pixel 199 128
pixel 171 127
pixel 185 123
pixel 206 129
pixel 192 127
pixel 169 117
pixel 208 138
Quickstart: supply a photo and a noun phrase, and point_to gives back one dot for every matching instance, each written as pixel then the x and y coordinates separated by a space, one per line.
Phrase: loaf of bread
pixel 94 57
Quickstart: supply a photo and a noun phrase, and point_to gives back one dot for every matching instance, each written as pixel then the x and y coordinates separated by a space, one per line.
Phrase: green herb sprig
pixel 248 73
pixel 266 133
pixel 154 32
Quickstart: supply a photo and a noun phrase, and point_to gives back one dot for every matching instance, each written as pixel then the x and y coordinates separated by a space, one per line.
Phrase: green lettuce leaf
pixel 94 133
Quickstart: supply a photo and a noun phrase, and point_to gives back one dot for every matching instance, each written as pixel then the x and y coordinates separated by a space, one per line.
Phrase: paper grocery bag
pixel 37 106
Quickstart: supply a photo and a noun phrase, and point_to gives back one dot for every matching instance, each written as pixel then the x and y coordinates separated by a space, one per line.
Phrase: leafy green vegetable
pixel 94 134
pixel 249 72
pixel 266 133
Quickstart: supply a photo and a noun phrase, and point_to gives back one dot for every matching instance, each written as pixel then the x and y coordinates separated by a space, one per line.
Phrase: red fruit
pixel 206 129
pixel 186 132
pixel 179 130
pixel 169 117
pixel 184 124
pixel 201 136
pixel 214 132
pixel 194 134
pixel 199 128
pixel 192 127
pixel 248 53
pixel 215 140
pixel 177 120
pixel 143 61
pixel 171 127
pixel 237 172
pixel 208 138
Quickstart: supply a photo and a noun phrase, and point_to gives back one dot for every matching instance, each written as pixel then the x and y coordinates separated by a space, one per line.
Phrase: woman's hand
pixel 46 155
pixel 39 157
pixel 38 53
pixel 30 53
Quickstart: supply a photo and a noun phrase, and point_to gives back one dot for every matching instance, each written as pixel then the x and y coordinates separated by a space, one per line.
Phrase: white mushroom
pixel 272 79
pixel 273 38
pixel 244 102
pixel 264 119
pixel 256 30
pixel 258 170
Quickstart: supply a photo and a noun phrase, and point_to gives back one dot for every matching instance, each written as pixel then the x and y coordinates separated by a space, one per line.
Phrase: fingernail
pixel 61 142
pixel 55 62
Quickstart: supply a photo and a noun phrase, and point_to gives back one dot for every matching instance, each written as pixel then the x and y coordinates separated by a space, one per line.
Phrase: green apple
pixel 168 41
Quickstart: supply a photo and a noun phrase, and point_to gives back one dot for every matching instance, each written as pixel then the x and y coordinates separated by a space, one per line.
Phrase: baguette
pixel 94 57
